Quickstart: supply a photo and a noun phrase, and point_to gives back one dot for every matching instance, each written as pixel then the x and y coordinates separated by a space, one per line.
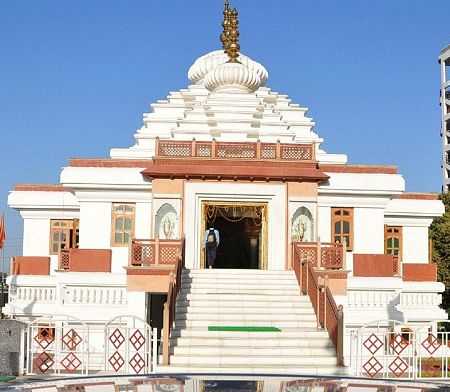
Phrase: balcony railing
pixel 52 294
pixel 30 265
pixel 145 253
pixel 234 150
pixel 321 255
pixel 376 265
pixel 85 260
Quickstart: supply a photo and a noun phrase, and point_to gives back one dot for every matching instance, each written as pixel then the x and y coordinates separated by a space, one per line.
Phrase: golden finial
pixel 225 36
pixel 233 48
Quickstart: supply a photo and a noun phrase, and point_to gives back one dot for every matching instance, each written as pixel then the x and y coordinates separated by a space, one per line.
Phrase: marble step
pixel 246 350
pixel 246 323
pixel 263 341
pixel 238 272
pixel 233 360
pixel 306 332
pixel 242 279
pixel 239 285
pixel 250 277
pixel 281 370
pixel 243 304
pixel 223 318
pixel 239 309
pixel 241 291
pixel 243 297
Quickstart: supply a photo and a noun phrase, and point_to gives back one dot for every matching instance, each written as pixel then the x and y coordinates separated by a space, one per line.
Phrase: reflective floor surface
pixel 213 384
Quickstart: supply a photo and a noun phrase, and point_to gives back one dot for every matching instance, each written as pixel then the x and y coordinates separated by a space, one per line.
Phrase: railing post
pixel 344 256
pixel 278 150
pixel 157 245
pixel 213 149
pixel 130 253
pixel 193 148
pixel 319 255
pixel 307 276
pixel 258 149
pixel 318 301
pixel 154 349
pixel 166 333
pixel 340 337
pixel 325 302
pixel 157 146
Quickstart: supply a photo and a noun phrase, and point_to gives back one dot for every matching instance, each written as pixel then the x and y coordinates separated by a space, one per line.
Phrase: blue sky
pixel 75 77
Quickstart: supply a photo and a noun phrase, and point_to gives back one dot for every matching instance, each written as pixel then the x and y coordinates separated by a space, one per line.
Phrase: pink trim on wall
pixel 369 169
pixel 30 265
pixel 369 265
pixel 418 196
pixel 90 260
pixel 419 272
pixel 40 188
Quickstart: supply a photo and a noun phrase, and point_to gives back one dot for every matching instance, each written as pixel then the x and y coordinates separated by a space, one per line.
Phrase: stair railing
pixel 328 315
pixel 170 304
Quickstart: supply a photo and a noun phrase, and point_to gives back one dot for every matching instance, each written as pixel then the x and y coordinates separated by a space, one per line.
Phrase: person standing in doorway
pixel 212 241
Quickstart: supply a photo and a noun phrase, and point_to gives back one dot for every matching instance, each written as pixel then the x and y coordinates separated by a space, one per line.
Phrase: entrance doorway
pixel 242 229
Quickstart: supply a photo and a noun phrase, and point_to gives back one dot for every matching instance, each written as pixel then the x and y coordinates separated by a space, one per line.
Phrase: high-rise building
pixel 444 61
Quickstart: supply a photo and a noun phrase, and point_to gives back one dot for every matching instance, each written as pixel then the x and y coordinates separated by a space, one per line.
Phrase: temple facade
pixel 124 235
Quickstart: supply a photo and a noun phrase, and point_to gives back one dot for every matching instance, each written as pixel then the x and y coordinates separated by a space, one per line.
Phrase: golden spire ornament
pixel 233 48
pixel 230 34
pixel 224 37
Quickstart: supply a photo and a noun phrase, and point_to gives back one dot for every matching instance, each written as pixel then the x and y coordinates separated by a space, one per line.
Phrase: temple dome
pixel 209 62
pixel 232 77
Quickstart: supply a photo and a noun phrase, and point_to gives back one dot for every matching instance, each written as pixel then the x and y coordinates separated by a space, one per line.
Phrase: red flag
pixel 2 232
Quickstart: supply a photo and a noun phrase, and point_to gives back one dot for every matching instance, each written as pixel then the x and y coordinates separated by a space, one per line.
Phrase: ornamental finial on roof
pixel 230 34
pixel 225 36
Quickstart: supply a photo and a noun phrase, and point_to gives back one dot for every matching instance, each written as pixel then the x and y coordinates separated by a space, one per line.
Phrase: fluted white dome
pixel 207 63
pixel 232 77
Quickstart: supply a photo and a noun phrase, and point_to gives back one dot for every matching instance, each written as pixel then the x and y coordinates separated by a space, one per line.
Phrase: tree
pixel 440 234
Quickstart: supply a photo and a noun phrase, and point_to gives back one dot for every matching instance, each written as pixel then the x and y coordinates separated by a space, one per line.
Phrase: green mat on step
pixel 215 328
pixel 6 378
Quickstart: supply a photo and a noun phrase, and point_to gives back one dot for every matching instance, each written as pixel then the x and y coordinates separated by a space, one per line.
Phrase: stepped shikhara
pixel 312 248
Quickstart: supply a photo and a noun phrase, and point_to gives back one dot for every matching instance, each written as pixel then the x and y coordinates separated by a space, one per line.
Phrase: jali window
pixel 342 226
pixel 393 240
pixel 122 224
pixel 64 234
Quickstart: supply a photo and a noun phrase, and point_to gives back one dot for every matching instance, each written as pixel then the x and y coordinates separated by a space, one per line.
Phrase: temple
pixel 311 247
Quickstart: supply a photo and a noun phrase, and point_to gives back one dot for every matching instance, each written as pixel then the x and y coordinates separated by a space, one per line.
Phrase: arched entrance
pixel 243 233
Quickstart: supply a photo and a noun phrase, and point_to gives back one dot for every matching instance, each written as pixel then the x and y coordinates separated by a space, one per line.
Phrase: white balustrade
pixel 370 298
pixel 33 294
pixel 90 295
pixel 416 299
pixel 52 291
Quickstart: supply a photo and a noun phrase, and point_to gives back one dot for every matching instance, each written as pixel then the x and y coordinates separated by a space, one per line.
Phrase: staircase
pixel 247 298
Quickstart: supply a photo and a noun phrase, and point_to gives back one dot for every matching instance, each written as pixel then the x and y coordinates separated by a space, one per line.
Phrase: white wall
pixel 136 304
pixel 368 230
pixel 143 228
pixel 415 244
pixel 324 220
pixel 36 236
pixel 95 225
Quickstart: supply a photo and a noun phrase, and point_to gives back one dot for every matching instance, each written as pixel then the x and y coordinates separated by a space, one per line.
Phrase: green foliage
pixel 440 234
